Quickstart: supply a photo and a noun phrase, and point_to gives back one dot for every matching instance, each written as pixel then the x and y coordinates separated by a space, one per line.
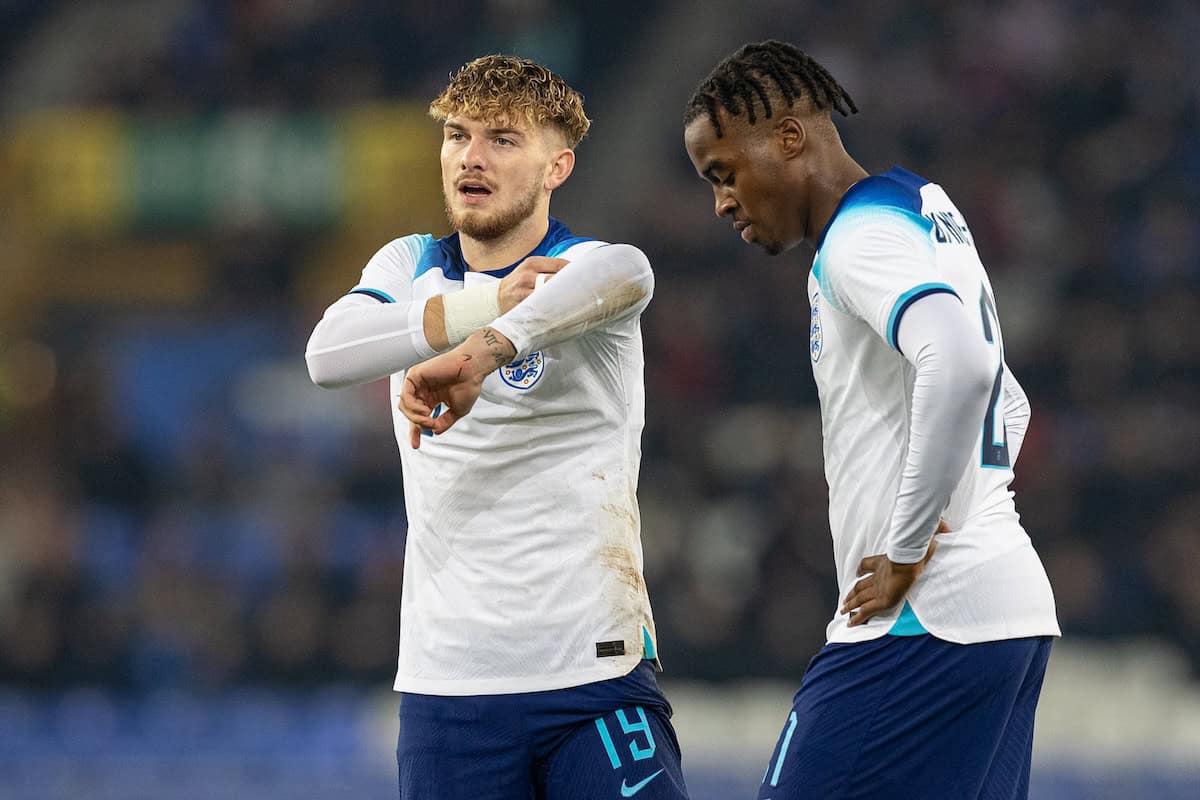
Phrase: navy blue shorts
pixel 911 718
pixel 609 739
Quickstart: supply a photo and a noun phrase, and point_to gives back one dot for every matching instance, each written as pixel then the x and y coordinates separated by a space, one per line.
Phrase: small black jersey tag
pixel 610 649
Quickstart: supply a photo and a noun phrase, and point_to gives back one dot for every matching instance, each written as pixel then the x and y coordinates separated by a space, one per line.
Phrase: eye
pixel 717 180
pixel 456 136
pixel 504 141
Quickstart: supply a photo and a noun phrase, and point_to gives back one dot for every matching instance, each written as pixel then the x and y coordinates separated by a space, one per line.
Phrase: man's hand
pixel 454 378
pixel 520 283
pixel 883 583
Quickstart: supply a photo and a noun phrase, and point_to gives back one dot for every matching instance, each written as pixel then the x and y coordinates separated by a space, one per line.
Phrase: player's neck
pixel 504 250
pixel 827 189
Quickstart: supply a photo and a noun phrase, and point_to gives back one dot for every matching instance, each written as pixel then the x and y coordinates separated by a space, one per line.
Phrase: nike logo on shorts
pixel 630 791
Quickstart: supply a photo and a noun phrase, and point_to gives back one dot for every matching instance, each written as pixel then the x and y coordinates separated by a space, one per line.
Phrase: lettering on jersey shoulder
pixel 948 228
pixel 816 338
pixel 524 372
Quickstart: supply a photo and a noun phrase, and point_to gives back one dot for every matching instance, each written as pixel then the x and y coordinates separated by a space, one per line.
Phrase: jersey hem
pixel 538 683
pixel 977 635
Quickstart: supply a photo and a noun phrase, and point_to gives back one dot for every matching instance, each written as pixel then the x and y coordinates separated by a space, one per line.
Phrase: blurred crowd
pixel 178 507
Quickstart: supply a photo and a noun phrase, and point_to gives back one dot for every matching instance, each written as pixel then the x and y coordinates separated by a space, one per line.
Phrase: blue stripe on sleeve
pixel 382 297
pixel 907 299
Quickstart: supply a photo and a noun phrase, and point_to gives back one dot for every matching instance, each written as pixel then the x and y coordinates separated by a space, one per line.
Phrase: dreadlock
pixel 759 72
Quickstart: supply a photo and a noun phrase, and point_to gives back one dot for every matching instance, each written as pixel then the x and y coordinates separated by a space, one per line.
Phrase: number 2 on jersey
pixel 994 453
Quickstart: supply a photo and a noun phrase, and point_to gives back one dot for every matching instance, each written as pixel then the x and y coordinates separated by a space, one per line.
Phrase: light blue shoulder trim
pixel 823 284
pixel 415 244
pixel 566 244
pixel 907 623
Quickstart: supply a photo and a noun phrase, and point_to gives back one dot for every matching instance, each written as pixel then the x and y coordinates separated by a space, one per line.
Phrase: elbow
pixel 322 368
pixel 319 373
pixel 636 265
pixel 637 276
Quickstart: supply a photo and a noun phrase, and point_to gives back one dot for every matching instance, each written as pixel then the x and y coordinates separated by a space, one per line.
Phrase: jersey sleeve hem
pixel 904 301
pixel 378 294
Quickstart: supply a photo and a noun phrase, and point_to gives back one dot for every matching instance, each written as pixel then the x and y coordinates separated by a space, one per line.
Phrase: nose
pixel 473 155
pixel 725 204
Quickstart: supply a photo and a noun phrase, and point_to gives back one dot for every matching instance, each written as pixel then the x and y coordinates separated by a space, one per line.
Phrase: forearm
pixel 359 340
pixel 950 395
pixel 597 288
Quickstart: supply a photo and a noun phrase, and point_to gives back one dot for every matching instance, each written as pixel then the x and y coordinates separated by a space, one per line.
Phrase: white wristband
pixel 469 310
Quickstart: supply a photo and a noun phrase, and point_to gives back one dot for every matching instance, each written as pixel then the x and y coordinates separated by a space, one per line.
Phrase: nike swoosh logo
pixel 630 791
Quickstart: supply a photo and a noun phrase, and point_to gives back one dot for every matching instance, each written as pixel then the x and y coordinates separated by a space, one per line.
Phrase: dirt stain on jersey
pixel 619 553
pixel 620 560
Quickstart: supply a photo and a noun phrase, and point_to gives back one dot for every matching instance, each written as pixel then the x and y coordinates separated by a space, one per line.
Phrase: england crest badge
pixel 524 372
pixel 815 337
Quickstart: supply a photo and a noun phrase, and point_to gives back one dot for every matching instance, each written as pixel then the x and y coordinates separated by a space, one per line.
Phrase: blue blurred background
pixel 200 553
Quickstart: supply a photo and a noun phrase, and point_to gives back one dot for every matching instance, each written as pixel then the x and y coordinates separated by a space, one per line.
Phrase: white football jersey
pixel 985 582
pixel 523 565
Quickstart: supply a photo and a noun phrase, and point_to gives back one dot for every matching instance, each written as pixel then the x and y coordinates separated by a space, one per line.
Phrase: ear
pixel 561 167
pixel 790 137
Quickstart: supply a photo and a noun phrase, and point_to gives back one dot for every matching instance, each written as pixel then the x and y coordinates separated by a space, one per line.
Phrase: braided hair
pixel 759 72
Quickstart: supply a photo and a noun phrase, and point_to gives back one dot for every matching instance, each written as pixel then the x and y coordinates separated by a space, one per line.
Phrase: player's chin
pixel 774 247
pixel 771 248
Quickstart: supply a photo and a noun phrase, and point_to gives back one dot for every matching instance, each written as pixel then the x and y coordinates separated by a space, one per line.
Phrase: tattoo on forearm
pixel 492 340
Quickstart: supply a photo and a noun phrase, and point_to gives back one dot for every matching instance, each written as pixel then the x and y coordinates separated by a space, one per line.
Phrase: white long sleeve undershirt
pixel 951 391
pixel 601 287
pixel 360 339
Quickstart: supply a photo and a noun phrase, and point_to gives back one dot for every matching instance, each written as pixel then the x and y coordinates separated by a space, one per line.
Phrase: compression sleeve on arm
pixel 601 287
pixel 360 339
pixel 955 373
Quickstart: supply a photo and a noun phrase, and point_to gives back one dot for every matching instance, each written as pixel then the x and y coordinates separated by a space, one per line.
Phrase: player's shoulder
pixel 877 202
pixel 410 247
pixel 400 257
pixel 895 189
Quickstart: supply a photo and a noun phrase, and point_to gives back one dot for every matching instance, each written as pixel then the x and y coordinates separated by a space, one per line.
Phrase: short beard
pixel 485 229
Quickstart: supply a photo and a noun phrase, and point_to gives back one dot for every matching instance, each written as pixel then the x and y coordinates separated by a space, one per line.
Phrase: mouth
pixel 473 191
pixel 744 229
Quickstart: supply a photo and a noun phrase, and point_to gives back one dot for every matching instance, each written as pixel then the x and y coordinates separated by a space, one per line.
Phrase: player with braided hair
pixel 763 72
pixel 935 657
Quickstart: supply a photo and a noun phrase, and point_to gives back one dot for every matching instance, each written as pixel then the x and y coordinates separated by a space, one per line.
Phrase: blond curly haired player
pixel 527 651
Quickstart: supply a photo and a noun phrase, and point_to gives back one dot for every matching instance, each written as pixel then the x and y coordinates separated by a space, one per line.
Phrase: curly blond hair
pixel 511 89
